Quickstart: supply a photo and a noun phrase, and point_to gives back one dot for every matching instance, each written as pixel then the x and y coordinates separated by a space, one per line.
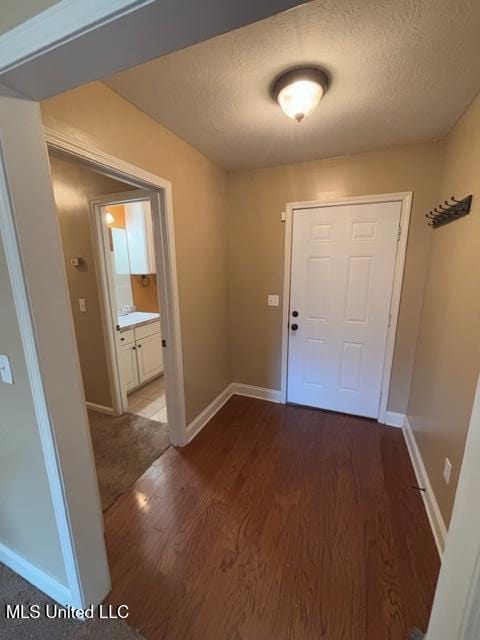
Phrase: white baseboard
pixel 100 408
pixel 235 388
pixel 207 414
pixel 394 419
pixel 431 505
pixel 272 395
pixel 56 590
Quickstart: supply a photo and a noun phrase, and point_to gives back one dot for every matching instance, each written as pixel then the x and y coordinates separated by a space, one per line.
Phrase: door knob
pixel 294 326
pixel 295 314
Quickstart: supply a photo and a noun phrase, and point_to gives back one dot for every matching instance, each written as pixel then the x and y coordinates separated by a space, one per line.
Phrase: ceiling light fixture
pixel 299 91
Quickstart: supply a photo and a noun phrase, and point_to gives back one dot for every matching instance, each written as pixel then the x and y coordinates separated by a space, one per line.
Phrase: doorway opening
pixel 129 291
pixel 123 312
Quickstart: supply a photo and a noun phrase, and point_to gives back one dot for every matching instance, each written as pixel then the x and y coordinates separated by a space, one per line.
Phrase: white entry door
pixel 343 260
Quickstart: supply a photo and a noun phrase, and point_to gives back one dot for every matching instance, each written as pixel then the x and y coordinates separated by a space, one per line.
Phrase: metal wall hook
pixel 452 211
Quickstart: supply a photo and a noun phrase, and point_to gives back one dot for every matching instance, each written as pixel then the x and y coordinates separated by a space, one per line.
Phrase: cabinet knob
pixel 294 326
pixel 134 348
pixel 139 346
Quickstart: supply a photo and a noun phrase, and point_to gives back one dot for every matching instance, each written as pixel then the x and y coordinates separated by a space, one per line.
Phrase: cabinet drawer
pixel 125 337
pixel 147 330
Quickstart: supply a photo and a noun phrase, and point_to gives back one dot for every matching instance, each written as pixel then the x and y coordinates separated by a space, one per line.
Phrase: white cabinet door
pixel 127 357
pixel 150 357
pixel 343 260
pixel 121 261
pixel 138 222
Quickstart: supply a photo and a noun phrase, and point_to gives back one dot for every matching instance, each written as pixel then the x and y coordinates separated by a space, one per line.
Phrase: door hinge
pixel 389 319
pixel 283 216
pixel 399 232
pixel 164 343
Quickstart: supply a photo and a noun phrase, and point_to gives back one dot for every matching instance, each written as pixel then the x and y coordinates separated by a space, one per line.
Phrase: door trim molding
pixel 164 235
pixel 405 198
pixel 71 593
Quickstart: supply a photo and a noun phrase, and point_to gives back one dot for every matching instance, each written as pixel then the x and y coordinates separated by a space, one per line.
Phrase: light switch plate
pixel 273 300
pixel 6 374
pixel 82 304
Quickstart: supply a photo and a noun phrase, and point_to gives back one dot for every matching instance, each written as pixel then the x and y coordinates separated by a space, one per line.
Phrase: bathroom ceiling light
pixel 109 218
pixel 299 91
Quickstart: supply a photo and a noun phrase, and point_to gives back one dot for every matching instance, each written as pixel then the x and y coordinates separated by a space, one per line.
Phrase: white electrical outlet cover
pixel 6 374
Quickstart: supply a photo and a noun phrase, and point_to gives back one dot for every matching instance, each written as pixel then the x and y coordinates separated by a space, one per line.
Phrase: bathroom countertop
pixel 136 318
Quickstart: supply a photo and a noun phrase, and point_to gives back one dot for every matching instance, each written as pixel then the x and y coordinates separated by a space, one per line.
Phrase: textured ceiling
pixel 402 71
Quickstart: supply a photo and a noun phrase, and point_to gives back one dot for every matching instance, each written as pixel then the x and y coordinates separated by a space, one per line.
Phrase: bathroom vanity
pixel 139 348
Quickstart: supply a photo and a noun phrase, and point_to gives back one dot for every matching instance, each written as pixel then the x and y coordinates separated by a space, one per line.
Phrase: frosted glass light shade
pixel 299 91
pixel 300 98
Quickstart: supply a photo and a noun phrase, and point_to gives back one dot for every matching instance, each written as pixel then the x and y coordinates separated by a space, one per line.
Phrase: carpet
pixel 15 590
pixel 124 448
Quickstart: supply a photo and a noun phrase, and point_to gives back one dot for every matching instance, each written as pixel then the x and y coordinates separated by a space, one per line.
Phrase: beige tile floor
pixel 150 401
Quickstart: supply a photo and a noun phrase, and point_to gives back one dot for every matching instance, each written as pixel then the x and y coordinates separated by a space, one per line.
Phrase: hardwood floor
pixel 276 523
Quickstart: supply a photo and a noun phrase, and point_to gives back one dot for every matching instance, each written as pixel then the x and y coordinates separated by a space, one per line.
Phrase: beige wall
pixel 256 200
pixel 447 360
pixel 25 500
pixel 96 115
pixel 74 186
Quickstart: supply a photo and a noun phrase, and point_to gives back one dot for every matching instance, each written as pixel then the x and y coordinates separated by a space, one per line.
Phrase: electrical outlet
pixel 273 300
pixel 5 370
pixel 82 304
pixel 447 470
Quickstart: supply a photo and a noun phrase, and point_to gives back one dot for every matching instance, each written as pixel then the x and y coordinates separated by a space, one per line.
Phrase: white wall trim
pixel 8 233
pixel 239 389
pixel 405 198
pixel 100 408
pixel 167 282
pixel 207 414
pixel 394 419
pixel 431 505
pixel 235 388
pixel 62 22
pixel 35 576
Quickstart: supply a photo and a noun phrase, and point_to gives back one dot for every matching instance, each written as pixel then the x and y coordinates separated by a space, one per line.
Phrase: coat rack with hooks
pixel 449 211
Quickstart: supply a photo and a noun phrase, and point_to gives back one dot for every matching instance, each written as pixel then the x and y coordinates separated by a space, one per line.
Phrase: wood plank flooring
pixel 276 523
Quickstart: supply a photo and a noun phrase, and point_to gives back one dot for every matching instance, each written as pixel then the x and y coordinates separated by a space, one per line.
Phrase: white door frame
pixel 106 288
pixel 405 198
pixel 160 191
